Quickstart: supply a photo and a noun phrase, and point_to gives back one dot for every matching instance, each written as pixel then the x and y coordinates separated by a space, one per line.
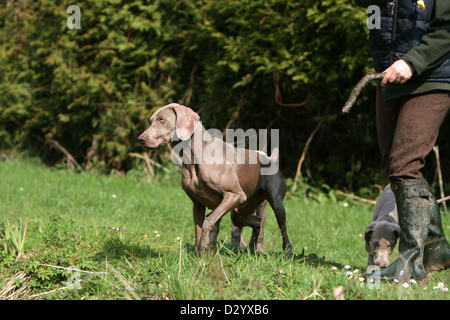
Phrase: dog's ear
pixel 368 235
pixel 186 119
pixel 396 230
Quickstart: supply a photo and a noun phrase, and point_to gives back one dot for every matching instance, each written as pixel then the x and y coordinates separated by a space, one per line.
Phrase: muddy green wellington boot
pixel 436 256
pixel 414 206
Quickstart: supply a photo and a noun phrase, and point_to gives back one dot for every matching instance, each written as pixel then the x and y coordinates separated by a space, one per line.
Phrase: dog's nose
pixel 382 262
pixel 141 138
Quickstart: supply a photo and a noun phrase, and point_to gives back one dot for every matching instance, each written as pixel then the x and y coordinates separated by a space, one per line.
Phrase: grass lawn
pixel 134 240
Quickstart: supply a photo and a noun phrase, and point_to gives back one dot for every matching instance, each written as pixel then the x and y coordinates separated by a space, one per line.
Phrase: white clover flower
pixel 21 189
pixel 345 204
pixel 178 238
pixel 356 271
pixel 405 285
pixel 114 196
pixel 413 281
pixel 333 268
pixel 440 286
pixel 347 267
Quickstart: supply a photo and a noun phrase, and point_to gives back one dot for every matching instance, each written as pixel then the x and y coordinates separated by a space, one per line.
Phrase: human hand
pixel 399 72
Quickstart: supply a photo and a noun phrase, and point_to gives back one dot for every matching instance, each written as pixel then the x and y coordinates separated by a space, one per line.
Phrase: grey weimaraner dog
pixel 382 234
pixel 219 176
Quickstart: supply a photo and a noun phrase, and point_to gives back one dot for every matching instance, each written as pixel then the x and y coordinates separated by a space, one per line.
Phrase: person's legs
pixel 416 131
pixel 413 125
pixel 387 114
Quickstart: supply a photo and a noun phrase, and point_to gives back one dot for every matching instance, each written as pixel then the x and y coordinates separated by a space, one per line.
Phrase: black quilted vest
pixel 390 43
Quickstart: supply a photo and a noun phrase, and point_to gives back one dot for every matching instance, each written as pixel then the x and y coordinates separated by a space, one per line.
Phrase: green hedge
pixel 239 64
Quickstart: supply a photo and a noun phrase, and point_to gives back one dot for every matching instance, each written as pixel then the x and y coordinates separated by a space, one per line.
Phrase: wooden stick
pixel 358 88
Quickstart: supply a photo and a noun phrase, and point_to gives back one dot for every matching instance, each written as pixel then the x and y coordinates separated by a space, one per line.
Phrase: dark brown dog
pixel 219 176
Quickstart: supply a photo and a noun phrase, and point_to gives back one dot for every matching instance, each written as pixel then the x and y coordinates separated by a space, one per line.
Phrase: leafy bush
pixel 239 64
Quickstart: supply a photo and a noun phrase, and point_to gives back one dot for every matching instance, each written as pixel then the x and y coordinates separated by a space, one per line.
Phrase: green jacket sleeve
pixel 435 44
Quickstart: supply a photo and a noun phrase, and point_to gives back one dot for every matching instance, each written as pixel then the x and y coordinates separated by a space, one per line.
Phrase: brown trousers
pixel 407 130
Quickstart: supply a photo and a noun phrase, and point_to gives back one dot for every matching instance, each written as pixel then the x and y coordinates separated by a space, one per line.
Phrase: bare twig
pixel 443 199
pixel 305 149
pixel 356 197
pixel 51 291
pixel 71 269
pixel 278 98
pixel 149 162
pixel 441 183
pixel 70 159
pixel 358 88
pixel 374 202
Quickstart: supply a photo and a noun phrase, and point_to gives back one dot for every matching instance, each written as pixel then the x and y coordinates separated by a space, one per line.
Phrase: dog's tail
pixel 266 160
pixel 274 156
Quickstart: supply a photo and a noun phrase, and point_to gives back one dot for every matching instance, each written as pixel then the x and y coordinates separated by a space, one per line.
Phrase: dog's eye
pixel 161 120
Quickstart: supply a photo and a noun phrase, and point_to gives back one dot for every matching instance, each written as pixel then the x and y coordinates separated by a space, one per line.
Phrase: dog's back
pixel 385 206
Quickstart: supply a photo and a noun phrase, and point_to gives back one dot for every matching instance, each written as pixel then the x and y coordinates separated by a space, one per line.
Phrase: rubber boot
pixel 436 255
pixel 414 206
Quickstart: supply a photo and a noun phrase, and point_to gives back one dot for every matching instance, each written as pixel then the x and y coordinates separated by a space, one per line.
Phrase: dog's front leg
pixel 230 200
pixel 199 219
